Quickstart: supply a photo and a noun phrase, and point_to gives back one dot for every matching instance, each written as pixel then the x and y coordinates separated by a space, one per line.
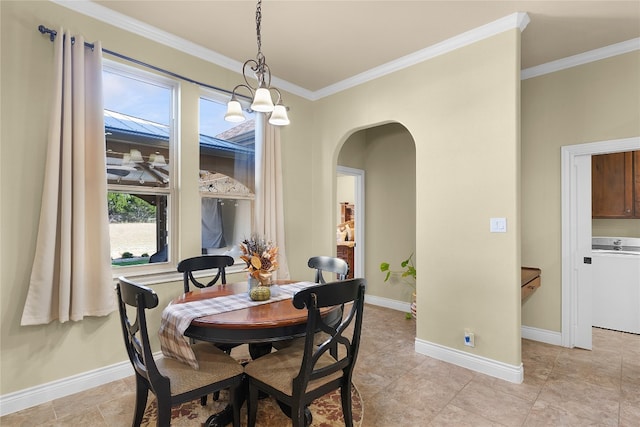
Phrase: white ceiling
pixel 316 44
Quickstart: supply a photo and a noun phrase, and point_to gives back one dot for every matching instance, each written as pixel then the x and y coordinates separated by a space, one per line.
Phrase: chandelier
pixel 261 94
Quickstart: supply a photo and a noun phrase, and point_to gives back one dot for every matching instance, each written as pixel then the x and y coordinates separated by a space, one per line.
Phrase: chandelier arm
pixel 235 89
pixel 278 101
pixel 253 65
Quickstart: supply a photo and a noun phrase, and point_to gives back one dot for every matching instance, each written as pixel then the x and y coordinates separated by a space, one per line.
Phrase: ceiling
pixel 316 44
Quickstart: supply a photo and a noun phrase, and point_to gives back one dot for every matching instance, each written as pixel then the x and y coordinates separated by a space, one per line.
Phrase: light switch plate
pixel 498 225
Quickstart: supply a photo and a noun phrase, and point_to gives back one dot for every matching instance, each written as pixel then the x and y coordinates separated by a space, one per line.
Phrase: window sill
pixel 166 274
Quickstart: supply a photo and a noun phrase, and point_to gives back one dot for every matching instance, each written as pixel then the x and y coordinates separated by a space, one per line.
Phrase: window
pixel 139 112
pixel 226 177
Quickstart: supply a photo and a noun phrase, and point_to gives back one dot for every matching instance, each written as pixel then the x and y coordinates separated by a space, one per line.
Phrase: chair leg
pixel 142 393
pixel 298 415
pixel 164 412
pixel 252 405
pixel 203 400
pixel 235 394
pixel 345 397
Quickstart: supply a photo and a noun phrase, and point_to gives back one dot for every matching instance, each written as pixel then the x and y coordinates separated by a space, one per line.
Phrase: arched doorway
pixel 386 154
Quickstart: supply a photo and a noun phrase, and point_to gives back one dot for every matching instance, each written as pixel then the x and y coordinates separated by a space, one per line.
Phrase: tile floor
pixel 562 387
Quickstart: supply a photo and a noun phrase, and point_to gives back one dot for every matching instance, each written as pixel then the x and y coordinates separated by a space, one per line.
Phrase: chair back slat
pixel 204 262
pixel 328 264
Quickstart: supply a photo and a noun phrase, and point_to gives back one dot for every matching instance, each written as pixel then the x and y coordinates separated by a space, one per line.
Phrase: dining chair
pixel 329 264
pixel 299 374
pixel 171 381
pixel 200 263
pixel 333 265
pixel 205 262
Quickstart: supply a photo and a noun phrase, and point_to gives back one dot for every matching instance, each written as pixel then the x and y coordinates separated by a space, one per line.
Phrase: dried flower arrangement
pixel 261 257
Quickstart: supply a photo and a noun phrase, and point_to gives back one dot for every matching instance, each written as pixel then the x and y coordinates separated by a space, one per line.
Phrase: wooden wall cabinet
pixel 615 185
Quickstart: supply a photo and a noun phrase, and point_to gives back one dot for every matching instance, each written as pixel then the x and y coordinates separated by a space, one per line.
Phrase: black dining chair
pixel 204 262
pixel 207 262
pixel 331 265
pixel 328 264
pixel 171 381
pixel 299 374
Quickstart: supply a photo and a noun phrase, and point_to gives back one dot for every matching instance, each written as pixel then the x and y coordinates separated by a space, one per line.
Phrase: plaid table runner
pixel 176 318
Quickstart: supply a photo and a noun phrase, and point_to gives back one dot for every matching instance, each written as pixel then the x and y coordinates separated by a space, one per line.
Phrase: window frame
pixel 171 191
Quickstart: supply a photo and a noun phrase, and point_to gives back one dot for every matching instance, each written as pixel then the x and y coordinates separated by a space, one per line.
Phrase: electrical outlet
pixel 469 338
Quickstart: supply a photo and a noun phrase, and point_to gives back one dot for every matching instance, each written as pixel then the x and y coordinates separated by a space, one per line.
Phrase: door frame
pixel 358 253
pixel 570 227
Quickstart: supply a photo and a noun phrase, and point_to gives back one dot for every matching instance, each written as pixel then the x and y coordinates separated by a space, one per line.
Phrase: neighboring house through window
pixel 226 177
pixel 141 115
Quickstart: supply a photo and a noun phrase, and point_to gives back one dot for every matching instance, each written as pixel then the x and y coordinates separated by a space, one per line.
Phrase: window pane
pixel 138 132
pixel 138 231
pixel 137 120
pixel 226 179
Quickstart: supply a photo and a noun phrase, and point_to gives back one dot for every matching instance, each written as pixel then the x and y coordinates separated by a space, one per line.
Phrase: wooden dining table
pixel 258 326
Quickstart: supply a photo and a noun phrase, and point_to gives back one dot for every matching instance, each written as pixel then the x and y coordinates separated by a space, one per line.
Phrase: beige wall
pixel 616 227
pixel 594 102
pixel 345 192
pixel 462 111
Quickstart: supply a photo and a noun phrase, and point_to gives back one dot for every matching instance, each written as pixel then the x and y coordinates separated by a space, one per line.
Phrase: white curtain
pixel 269 204
pixel 71 273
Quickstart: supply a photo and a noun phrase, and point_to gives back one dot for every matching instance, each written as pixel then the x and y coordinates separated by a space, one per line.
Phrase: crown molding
pixel 516 20
pixel 101 13
pixel 124 22
pixel 581 59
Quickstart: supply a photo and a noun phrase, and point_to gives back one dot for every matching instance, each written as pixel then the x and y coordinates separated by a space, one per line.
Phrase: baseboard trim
pixel 541 335
pixel 388 303
pixel 23 399
pixel 504 371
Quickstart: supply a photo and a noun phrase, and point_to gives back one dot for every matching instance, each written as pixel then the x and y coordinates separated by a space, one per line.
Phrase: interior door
pixel 582 253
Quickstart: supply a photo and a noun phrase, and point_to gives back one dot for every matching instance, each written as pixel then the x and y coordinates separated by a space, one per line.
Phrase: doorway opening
pixel 576 236
pixel 350 215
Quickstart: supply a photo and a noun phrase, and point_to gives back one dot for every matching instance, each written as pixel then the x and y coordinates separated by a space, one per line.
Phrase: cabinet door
pixel 612 185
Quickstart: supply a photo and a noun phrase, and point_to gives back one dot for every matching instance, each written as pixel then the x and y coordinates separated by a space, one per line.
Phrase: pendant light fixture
pixel 261 94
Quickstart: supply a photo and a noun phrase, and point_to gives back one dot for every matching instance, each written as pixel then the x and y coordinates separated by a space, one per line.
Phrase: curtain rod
pixel 54 33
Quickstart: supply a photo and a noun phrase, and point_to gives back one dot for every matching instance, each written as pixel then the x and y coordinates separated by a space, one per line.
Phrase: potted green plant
pixel 407 275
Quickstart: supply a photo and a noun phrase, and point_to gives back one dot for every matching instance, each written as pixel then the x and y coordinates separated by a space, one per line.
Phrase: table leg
pixel 225 417
pixel 258 350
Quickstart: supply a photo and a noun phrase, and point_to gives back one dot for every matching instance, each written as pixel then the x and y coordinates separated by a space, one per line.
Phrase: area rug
pixel 326 411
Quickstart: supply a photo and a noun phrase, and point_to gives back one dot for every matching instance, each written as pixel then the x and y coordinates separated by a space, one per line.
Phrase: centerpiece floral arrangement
pixel 261 257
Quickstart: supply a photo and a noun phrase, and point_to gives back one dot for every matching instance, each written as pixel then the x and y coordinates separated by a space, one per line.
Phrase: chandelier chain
pixel 258 21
